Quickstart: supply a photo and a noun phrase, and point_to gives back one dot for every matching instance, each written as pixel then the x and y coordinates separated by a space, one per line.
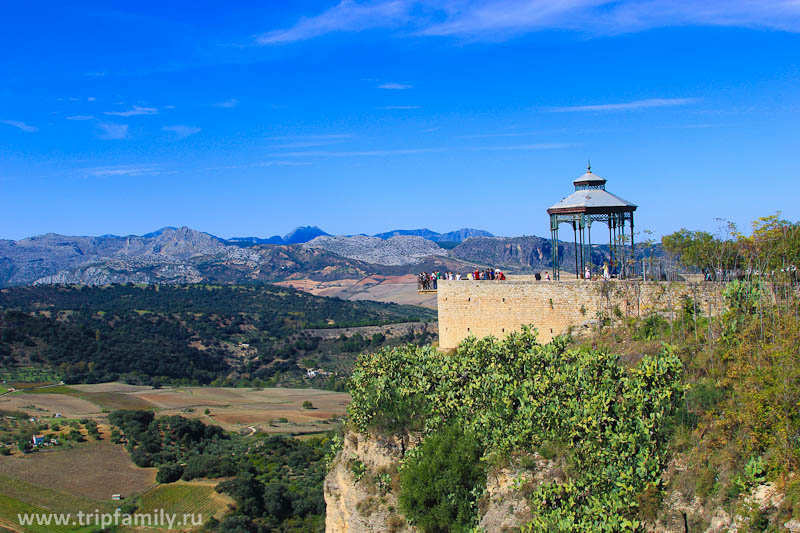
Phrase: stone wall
pixel 497 308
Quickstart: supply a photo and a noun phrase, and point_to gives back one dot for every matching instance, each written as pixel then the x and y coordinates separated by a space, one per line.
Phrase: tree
pixel 169 473
pixel 25 446
pixel 438 484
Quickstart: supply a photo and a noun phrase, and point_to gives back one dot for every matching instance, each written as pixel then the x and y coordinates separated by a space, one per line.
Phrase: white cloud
pixel 395 86
pixel 307 144
pixel 231 102
pixel 20 125
pixel 388 107
pixel 135 110
pixel 502 19
pixel 103 172
pixel 415 151
pixel 81 117
pixel 261 164
pixel 113 131
pixel 348 15
pixel 627 106
pixel 182 131
pixel 91 99
pixel 329 136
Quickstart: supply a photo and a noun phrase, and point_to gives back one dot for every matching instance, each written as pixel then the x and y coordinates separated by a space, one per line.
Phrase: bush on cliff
pixel 441 480
pixel 516 394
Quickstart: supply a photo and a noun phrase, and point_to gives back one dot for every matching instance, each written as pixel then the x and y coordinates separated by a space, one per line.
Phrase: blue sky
pixel 362 116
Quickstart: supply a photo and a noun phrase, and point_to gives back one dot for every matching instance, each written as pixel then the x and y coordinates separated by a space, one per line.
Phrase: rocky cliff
pixel 361 492
pixel 362 486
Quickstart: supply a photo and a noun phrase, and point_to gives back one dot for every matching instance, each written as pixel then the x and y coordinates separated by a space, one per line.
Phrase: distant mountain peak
pixel 158 232
pixel 303 234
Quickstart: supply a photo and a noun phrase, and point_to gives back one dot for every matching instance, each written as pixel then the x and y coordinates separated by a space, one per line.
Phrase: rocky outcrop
pixel 358 488
pixel 504 507
pixel 398 250
pixel 361 489
pixel 763 499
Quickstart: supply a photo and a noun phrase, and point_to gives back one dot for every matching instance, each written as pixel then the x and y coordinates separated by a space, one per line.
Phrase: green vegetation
pixel 276 481
pixel 516 394
pixel 771 251
pixel 441 481
pixel 16 375
pixel 739 423
pixel 10 508
pixel 194 334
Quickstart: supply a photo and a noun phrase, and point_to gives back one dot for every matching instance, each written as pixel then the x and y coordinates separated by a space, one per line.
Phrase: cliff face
pixel 362 486
pixel 357 495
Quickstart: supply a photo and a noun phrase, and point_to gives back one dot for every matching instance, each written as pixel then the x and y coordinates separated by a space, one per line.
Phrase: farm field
pixel 10 508
pixel 93 471
pixel 197 498
pixel 235 409
pixel 83 476
pixel 240 409
pixel 109 396
pixel 49 498
pixel 43 404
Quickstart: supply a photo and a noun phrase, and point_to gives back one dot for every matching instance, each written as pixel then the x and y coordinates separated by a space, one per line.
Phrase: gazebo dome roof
pixel 589 178
pixel 588 199
pixel 590 196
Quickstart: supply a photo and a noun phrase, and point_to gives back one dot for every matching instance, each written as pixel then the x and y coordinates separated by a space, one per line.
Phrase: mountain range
pixel 185 255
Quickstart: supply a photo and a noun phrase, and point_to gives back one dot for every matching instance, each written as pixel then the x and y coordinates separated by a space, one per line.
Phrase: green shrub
pixel 169 473
pixel 440 484
pixel 706 480
pixel 308 405
pixel 357 468
pixel 705 395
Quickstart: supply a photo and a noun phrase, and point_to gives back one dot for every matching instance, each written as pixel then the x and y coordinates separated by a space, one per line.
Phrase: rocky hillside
pixel 458 235
pixel 398 250
pixel 526 252
pixel 184 255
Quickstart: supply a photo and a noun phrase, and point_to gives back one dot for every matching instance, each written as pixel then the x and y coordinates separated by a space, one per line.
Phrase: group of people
pixel 607 273
pixel 430 281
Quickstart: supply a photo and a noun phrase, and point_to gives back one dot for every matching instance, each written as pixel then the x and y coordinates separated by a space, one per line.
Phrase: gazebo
pixel 592 203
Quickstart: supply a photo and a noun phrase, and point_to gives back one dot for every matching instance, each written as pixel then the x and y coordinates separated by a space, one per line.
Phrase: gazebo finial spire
pixel 589 165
